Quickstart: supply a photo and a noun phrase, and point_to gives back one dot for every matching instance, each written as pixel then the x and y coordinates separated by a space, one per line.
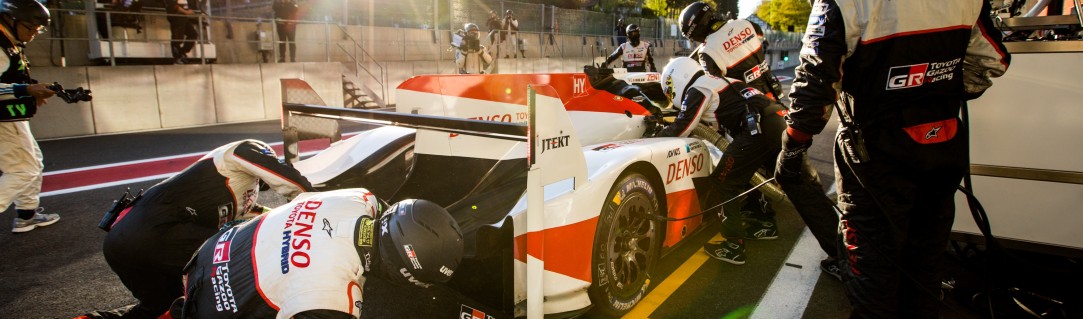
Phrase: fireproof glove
pixel 791 159
pixel 654 126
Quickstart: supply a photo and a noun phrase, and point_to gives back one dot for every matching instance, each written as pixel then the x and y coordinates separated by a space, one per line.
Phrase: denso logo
pixel 295 240
pixel 907 76
pixel 683 168
pixel 737 40
pixel 506 118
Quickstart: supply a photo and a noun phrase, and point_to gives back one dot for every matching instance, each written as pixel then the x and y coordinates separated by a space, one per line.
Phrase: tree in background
pixel 785 15
pixel 671 8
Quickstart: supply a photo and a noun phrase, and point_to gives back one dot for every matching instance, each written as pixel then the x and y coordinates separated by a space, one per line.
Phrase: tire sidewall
pixel 603 290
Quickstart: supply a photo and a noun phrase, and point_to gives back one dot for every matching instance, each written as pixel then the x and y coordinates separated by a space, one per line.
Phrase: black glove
pixel 791 160
pixel 654 125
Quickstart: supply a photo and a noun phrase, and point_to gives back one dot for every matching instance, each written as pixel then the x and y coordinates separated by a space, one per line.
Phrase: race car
pixel 483 146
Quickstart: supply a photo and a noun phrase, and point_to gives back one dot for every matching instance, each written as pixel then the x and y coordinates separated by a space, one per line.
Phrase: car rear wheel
pixel 626 245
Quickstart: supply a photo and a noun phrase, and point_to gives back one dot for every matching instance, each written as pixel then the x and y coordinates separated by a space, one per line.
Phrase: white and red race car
pixel 613 202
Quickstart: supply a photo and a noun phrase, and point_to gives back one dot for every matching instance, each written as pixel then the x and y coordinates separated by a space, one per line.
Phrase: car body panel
pixel 598 139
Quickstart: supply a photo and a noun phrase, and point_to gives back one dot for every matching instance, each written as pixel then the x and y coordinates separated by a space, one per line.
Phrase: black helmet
pixel 419 242
pixel 31 12
pixel 634 39
pixel 696 20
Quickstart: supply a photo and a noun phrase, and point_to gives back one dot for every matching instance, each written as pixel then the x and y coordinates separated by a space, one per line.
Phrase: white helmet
pixel 677 76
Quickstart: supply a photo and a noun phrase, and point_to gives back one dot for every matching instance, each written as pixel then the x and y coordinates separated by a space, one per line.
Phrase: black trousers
pixel 287 34
pixel 184 35
pixel 898 210
pixel 148 250
pixel 747 154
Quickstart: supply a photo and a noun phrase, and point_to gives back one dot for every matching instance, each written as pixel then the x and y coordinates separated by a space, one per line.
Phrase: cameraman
pixel 471 57
pixel 20 22
pixel 150 242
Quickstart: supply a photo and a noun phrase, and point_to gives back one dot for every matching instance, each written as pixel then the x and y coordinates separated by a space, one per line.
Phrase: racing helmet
pixel 419 243
pixel 31 12
pixel 632 31
pixel 677 76
pixel 696 21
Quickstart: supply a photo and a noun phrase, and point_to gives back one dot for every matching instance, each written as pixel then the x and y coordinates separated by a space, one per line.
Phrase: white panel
pixel 1031 117
pixel 185 95
pixel 124 98
pixel 1040 212
pixel 235 96
pixel 59 119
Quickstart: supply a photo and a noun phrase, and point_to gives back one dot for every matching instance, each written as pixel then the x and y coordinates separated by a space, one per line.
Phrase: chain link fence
pixel 448 15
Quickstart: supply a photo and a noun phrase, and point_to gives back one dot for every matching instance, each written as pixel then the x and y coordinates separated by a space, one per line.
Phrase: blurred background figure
pixel 470 56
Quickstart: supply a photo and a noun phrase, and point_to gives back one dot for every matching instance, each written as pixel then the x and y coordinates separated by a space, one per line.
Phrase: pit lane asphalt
pixel 59 271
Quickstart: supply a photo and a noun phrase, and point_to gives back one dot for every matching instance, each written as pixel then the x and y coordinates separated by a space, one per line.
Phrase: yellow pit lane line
pixel 670 284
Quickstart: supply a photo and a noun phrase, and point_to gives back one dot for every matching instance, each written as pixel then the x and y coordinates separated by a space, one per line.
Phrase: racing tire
pixel 626 246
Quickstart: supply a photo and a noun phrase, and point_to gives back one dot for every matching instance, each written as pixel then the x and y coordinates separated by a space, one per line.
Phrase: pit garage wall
pixel 140 98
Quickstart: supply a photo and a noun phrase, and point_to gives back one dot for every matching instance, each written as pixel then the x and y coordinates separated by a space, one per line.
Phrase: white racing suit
pixel 20 156
pixel 636 58
pixel 736 50
pixel 899 72
pixel 150 242
pixel 300 259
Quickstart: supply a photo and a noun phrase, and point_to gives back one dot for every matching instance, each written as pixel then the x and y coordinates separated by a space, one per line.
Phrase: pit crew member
pixel 150 243
pixel 898 73
pixel 731 48
pixel 735 49
pixel 309 258
pixel 726 105
pixel 635 54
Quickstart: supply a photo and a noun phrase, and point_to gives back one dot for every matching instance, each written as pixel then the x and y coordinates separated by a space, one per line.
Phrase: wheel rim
pixel 632 245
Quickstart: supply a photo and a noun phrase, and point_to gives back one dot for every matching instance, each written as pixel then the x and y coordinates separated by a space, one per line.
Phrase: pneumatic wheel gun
pixel 71 95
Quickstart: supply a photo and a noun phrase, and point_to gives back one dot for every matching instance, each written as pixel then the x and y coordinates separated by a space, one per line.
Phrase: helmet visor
pixel 39 29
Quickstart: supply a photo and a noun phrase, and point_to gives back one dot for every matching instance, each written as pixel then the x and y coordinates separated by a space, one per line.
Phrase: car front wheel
pixel 626 246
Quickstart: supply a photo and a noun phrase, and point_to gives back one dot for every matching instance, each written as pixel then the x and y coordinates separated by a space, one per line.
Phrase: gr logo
pixel 907 76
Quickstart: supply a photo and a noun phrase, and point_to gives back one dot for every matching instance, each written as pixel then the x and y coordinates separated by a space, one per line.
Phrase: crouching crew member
pixel 309 258
pixel 150 243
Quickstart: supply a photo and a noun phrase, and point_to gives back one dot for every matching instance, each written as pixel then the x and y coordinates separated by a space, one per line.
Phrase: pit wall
pixel 141 98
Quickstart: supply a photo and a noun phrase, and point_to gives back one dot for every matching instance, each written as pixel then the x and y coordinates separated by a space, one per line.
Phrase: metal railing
pixel 358 66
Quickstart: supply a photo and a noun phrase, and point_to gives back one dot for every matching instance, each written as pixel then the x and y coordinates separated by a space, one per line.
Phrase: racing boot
pixel 832 266
pixel 730 250
pixel 761 229
pixel 758 218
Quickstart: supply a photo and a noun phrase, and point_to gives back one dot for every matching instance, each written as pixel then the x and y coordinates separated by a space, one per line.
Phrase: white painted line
pixel 104 185
pixel 127 181
pixel 790 290
pixel 156 159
